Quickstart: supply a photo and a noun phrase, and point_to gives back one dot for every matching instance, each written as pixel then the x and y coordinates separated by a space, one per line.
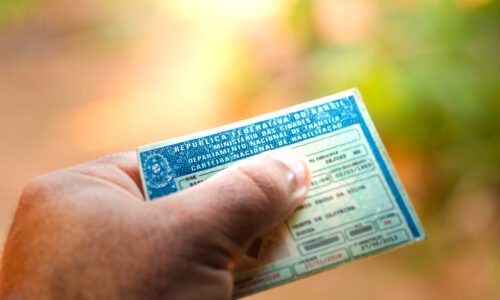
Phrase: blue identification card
pixel 356 205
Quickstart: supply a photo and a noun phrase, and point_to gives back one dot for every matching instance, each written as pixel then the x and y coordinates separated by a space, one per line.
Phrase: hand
pixel 86 232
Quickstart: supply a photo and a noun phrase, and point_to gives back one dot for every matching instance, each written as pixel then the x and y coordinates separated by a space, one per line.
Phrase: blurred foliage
pixel 428 71
pixel 13 10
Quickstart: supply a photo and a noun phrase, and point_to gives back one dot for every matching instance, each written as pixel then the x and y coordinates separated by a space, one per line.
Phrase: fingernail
pixel 299 172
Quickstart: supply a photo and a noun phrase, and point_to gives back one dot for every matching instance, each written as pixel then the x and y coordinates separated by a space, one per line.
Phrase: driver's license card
pixel 356 205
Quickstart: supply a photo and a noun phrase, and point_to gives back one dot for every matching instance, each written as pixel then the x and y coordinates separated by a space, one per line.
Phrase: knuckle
pixel 113 157
pixel 36 185
pixel 37 188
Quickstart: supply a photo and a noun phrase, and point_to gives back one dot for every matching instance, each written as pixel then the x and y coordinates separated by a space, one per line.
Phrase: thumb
pixel 248 198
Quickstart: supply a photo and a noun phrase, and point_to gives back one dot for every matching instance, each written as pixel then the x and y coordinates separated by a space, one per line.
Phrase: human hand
pixel 86 232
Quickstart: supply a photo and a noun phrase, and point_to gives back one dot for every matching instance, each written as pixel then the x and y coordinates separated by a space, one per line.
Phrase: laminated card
pixel 356 205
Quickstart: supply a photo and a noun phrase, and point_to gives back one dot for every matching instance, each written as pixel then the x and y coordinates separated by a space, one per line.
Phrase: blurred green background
pixel 82 78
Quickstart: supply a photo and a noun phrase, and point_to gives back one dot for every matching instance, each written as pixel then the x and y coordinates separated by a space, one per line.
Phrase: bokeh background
pixel 82 78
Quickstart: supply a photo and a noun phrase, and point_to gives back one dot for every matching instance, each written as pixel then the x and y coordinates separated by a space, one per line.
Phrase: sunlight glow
pixel 344 21
pixel 241 10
